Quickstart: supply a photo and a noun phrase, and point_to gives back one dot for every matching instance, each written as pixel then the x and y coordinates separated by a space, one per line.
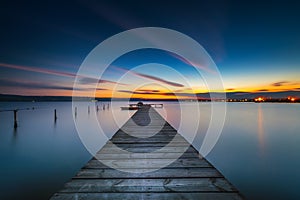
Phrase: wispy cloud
pixel 193 64
pixel 150 77
pixel 136 92
pixel 38 70
pixel 39 85
pixel 159 79
pixel 280 83
pixel 146 90
pixel 88 80
pixel 230 89
pixel 111 14
pixel 158 93
pixel 83 79
pixel 263 90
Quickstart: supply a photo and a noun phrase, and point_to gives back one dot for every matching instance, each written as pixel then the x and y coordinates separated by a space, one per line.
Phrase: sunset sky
pixel 255 45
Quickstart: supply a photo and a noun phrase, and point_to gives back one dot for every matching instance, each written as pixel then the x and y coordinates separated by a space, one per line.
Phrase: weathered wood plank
pixel 146 135
pixel 138 140
pixel 165 149
pixel 107 156
pixel 149 185
pixel 146 196
pixel 139 173
pixel 148 163
pixel 146 145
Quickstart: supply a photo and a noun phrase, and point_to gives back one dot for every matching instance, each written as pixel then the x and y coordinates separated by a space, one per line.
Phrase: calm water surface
pixel 258 150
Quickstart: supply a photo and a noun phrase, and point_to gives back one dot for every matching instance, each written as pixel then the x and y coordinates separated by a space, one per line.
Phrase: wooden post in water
pixel 103 106
pixel 75 111
pixel 55 115
pixel 88 109
pixel 97 108
pixel 15 118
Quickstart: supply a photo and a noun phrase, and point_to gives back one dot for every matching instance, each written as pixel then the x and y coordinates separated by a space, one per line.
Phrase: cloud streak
pixel 159 79
pixel 145 90
pixel 193 64
pixel 88 80
pixel 38 85
pixel 154 78
pixel 38 70
pixel 263 90
pixel 230 89
pixel 280 83
pixel 158 93
pixel 85 79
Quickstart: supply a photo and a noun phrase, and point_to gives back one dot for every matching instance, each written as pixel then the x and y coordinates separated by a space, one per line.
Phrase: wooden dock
pixel 189 177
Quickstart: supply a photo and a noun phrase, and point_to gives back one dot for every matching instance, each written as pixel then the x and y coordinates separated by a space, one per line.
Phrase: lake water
pixel 258 150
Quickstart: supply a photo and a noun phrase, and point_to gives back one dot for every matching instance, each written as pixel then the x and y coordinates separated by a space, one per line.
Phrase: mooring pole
pixel 75 111
pixel 15 119
pixel 55 116
pixel 88 109
pixel 97 108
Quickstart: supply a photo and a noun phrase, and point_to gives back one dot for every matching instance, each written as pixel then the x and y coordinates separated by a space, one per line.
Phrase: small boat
pixel 133 106
pixel 130 108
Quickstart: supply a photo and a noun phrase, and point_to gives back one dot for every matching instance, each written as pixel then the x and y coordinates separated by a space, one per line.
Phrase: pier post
pixel 55 115
pixel 15 118
pixel 75 111
pixel 88 109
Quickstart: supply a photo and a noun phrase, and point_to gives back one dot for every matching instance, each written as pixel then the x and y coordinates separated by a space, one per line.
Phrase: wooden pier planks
pixel 189 177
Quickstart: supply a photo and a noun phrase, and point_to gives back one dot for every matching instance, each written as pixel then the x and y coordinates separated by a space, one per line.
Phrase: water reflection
pixel 260 129
pixel 15 136
pixel 254 137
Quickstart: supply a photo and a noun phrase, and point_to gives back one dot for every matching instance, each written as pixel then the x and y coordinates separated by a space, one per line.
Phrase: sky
pixel 254 44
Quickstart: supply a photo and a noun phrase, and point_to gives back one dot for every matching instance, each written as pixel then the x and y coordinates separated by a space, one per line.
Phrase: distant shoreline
pixel 270 97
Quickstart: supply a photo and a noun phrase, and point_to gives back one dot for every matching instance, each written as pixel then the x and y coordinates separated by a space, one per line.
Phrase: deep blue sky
pixel 254 43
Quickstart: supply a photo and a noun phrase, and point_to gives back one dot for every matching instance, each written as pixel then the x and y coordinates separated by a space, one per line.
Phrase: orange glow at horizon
pixel 111 89
pixel 108 93
pixel 266 88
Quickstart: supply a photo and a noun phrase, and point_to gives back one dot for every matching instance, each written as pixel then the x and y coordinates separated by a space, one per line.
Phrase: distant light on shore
pixel 259 99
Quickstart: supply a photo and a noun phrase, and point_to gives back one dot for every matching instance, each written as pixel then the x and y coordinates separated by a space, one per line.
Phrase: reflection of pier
pixel 143 165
